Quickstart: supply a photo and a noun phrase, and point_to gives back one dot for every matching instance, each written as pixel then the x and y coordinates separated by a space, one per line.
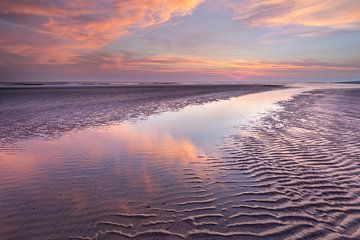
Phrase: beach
pixel 180 162
pixel 49 110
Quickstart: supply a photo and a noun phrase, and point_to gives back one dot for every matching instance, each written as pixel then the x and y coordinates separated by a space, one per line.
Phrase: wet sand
pixel 277 165
pixel 47 111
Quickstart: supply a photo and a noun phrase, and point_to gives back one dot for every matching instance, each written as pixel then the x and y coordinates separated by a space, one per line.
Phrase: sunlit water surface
pixel 63 186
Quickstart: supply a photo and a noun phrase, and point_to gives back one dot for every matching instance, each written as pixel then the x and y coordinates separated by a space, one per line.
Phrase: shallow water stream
pixel 156 177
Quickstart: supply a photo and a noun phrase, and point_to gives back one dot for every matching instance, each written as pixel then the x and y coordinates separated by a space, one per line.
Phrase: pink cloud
pixel 60 30
pixel 314 13
pixel 69 37
pixel 96 23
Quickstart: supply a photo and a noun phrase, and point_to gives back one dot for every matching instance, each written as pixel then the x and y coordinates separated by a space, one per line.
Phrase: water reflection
pixel 128 152
pixel 172 137
pixel 71 180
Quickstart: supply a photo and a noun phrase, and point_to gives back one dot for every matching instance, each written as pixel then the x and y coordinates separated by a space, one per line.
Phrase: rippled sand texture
pixel 304 162
pixel 47 112
pixel 294 175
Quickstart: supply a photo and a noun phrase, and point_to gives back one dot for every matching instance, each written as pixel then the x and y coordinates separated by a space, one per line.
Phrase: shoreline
pixel 68 85
pixel 47 112
pixel 292 174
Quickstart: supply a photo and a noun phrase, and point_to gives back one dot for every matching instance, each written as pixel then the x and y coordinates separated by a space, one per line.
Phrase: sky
pixel 179 40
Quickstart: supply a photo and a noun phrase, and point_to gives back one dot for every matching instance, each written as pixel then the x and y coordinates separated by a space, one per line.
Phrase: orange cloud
pixel 46 8
pixel 97 23
pixel 63 37
pixel 218 67
pixel 313 13
pixel 57 31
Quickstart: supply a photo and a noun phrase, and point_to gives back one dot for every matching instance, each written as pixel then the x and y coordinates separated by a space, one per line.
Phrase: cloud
pixel 130 66
pixel 56 31
pixel 74 38
pixel 96 23
pixel 219 68
pixel 312 13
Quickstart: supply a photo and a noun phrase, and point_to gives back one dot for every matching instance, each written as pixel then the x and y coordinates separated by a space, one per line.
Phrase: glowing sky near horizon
pixel 179 40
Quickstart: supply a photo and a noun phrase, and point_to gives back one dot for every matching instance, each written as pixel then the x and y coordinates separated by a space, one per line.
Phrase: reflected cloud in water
pixel 121 167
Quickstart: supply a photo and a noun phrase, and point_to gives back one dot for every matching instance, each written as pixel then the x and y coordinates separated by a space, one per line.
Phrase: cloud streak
pixel 77 37
pixel 121 66
pixel 311 13
pixel 96 23
pixel 61 29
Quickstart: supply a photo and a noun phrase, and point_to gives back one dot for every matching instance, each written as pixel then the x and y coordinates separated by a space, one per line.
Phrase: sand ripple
pixel 293 176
